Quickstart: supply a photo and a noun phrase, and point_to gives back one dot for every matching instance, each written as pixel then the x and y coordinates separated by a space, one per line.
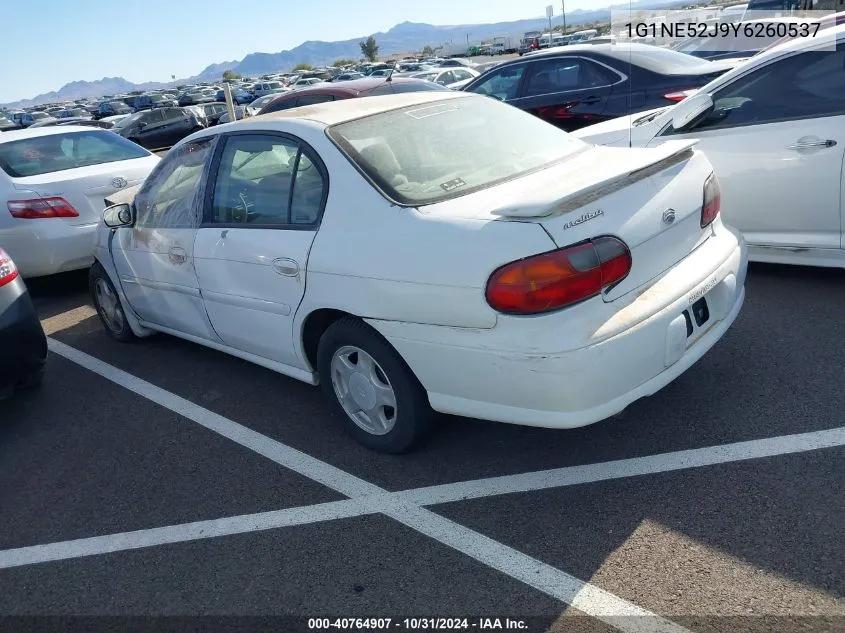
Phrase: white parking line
pixel 326 474
pixel 624 468
pixel 406 506
pixel 138 539
pixel 565 587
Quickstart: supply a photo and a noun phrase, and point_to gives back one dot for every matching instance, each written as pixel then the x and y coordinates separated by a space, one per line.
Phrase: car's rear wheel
pixel 383 405
pixel 108 306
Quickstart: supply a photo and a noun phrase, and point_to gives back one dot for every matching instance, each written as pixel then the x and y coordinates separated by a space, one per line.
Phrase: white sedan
pixel 428 251
pixel 774 129
pixel 454 78
pixel 53 186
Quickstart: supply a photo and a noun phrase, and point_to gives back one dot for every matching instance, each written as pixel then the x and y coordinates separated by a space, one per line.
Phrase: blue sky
pixel 149 40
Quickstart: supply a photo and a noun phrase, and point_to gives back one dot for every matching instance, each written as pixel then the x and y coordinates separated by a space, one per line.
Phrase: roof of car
pixel 334 112
pixel 16 135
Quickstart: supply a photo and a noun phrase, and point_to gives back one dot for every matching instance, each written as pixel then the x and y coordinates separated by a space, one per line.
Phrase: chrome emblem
pixel 669 216
pixel 118 183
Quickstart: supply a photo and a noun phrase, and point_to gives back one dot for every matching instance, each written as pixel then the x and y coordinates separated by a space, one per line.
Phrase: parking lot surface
pixel 163 478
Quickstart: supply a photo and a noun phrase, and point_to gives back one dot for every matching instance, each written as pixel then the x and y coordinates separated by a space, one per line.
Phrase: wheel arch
pixel 111 272
pixel 318 320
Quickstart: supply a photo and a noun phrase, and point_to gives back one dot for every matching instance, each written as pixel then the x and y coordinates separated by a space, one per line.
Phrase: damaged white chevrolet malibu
pixel 428 251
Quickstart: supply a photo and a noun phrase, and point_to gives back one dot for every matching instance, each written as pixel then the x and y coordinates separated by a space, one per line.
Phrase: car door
pixel 776 138
pixel 262 214
pixel 567 91
pixel 155 257
pixel 151 130
pixel 176 125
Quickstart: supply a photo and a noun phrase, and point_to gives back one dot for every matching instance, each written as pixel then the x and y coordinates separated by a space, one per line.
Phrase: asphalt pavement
pixel 161 478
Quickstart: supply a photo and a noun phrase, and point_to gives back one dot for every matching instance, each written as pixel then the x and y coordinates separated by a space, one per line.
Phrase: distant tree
pixel 303 67
pixel 343 62
pixel 369 48
pixel 230 74
pixel 427 51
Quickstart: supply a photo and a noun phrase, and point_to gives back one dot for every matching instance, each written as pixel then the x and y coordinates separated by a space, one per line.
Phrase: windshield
pixel 261 101
pixel 59 152
pixel 432 152
pixel 659 60
pixel 426 76
pixel 156 98
pixel 40 115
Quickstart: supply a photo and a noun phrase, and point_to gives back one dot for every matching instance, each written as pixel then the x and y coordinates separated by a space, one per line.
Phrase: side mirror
pixel 118 215
pixel 691 110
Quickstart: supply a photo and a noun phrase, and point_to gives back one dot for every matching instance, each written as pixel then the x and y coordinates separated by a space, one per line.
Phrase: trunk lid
pixel 86 188
pixel 649 198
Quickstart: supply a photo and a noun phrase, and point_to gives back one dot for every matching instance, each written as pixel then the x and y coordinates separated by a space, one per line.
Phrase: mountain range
pixel 402 38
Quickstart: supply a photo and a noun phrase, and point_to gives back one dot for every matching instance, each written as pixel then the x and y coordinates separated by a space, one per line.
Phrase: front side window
pixel 152 117
pixel 502 84
pixel 806 85
pixel 59 152
pixel 171 197
pixel 266 180
pixel 410 159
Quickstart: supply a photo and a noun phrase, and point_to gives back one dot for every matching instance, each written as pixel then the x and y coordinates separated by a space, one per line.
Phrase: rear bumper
pixel 49 246
pixel 23 345
pixel 643 351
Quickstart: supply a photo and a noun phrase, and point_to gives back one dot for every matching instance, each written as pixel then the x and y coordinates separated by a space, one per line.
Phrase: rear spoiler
pixel 663 157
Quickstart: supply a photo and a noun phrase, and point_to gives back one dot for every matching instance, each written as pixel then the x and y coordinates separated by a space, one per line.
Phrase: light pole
pixel 563 13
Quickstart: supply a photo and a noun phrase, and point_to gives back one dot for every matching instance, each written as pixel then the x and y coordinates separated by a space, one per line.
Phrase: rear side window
pixel 267 181
pixel 565 73
pixel 276 106
pixel 312 99
pixel 60 152
pixel 396 87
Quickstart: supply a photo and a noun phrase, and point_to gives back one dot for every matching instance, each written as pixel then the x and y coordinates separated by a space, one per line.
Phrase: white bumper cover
pixel 640 349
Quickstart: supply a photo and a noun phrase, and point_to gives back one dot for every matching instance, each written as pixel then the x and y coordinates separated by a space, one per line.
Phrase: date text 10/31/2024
pixel 417 624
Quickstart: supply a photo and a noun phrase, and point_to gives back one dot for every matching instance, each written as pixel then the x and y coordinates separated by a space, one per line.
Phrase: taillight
pixel 41 208
pixel 8 270
pixel 560 278
pixel 680 95
pixel 712 200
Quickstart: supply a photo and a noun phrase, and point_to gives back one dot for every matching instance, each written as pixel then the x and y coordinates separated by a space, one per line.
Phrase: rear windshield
pixel 432 152
pixel 59 152
pixel 658 60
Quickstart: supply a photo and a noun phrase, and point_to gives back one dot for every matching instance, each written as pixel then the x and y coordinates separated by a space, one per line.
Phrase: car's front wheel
pixel 108 306
pixel 382 403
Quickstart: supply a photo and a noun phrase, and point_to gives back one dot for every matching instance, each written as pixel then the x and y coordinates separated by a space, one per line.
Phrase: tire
pixel 403 424
pixel 111 315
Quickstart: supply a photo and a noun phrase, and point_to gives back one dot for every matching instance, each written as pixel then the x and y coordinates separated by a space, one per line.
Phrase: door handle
pixel 178 255
pixel 591 100
pixel 285 266
pixel 810 144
